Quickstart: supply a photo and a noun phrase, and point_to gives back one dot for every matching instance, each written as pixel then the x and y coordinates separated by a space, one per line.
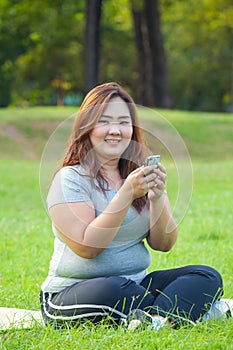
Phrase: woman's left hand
pixel 160 183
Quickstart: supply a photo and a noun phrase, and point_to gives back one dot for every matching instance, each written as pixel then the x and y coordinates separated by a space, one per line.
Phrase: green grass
pixel 208 136
pixel 205 237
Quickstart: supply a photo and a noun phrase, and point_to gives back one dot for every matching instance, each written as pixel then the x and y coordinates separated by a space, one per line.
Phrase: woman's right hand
pixel 140 181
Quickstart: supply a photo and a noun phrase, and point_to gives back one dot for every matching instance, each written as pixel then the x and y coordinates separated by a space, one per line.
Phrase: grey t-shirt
pixel 126 255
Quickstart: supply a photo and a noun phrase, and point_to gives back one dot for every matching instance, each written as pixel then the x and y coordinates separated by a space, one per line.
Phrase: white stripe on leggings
pixel 80 306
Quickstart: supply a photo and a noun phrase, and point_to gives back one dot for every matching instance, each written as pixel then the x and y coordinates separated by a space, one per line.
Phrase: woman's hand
pixel 159 187
pixel 144 180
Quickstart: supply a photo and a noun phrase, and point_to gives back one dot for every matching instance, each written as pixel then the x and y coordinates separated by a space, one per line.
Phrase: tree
pixel 92 43
pixel 14 41
pixel 53 67
pixel 200 47
pixel 152 63
pixel 44 58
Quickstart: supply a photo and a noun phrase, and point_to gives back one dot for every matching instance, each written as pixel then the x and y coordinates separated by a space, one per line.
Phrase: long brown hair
pixel 79 148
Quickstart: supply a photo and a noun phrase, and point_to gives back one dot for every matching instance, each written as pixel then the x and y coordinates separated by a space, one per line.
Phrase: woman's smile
pixel 113 141
pixel 113 132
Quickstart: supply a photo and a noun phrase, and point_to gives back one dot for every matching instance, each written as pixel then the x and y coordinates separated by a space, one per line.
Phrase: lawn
pixel 205 231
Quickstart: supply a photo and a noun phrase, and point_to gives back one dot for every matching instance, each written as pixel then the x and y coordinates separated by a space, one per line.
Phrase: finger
pixel 161 175
pixel 138 171
pixel 149 169
pixel 151 176
pixel 160 184
pixel 161 167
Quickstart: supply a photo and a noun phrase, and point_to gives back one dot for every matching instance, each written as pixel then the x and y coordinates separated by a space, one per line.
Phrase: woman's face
pixel 113 132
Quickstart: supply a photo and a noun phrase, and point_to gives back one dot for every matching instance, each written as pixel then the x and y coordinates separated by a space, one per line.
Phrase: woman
pixel 104 203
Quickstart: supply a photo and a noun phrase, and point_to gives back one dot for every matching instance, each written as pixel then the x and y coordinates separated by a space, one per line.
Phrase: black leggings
pixel 181 293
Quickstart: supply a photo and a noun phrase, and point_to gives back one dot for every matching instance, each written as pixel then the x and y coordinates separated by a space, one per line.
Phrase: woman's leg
pixel 184 292
pixel 94 299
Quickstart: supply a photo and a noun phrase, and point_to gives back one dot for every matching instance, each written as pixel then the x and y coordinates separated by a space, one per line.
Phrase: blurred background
pixel 167 54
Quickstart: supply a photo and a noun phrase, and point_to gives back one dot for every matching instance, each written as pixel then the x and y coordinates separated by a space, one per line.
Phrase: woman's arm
pixel 84 233
pixel 88 235
pixel 163 229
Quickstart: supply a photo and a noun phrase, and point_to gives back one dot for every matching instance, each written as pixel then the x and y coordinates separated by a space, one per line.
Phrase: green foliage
pixel 198 40
pixel 42 51
pixel 41 43
pixel 118 61
pixel 49 67
pixel 13 42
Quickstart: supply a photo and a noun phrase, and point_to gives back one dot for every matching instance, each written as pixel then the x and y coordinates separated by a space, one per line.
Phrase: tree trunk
pixel 144 57
pixel 92 44
pixel 151 54
pixel 159 65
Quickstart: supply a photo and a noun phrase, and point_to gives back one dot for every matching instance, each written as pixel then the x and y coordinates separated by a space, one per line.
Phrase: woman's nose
pixel 114 128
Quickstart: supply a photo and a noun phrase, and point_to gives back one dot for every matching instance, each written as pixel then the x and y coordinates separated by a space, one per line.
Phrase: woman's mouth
pixel 112 141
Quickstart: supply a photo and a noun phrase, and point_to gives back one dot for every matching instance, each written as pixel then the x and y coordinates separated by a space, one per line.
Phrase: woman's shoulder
pixel 69 185
pixel 72 174
pixel 72 170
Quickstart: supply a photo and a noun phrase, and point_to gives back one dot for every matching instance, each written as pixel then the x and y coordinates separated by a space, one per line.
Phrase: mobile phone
pixel 153 160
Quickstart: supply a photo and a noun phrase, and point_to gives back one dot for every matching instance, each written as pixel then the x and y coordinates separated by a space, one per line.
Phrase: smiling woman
pixel 112 134
pixel 104 203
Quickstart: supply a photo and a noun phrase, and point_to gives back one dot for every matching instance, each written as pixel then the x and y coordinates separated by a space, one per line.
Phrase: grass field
pixel 26 240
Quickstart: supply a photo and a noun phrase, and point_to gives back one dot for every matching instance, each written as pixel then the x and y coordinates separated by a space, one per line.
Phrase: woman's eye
pixel 102 121
pixel 124 122
pixel 107 122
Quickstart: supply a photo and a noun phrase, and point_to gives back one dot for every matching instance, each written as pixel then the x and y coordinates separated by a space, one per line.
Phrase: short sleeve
pixel 69 186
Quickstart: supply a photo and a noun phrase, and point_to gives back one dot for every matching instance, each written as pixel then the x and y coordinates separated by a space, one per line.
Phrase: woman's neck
pixel 111 174
pixel 110 166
